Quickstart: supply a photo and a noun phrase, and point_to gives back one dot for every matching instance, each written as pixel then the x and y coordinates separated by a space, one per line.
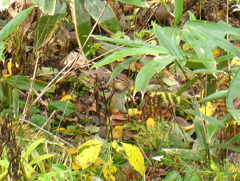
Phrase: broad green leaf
pixel 178 11
pixel 233 93
pixel 23 83
pixel 199 155
pixel 82 22
pixel 41 157
pixel 14 23
pixel 199 127
pixel 135 157
pixel 48 24
pixel 217 95
pixel 38 119
pixel 130 43
pixel 220 29
pixel 151 68
pixel 47 6
pixel 168 43
pixel 65 106
pixel 214 33
pixel 174 175
pixel 122 66
pixel 108 20
pixel 200 45
pixel 141 3
pixel 31 148
pixel 173 33
pixel 128 52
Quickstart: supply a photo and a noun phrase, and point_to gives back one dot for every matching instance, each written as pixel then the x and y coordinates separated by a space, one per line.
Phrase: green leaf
pixel 214 33
pixel 122 66
pixel 31 148
pixel 200 45
pixel 14 23
pixel 235 139
pixel 64 106
pixel 128 52
pixel 233 93
pixel 199 127
pixel 40 158
pixel 168 43
pixel 130 43
pixel 108 20
pixel 1 48
pixel 38 119
pixel 23 83
pixel 206 71
pixel 48 23
pixel 141 3
pixel 217 95
pixel 82 22
pixel 178 11
pixel 151 68
pixel 213 126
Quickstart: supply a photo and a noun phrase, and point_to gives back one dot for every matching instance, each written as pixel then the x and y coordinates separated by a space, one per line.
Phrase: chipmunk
pixel 120 85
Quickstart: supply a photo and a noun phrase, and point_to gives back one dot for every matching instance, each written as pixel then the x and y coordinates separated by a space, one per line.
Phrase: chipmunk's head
pixel 121 82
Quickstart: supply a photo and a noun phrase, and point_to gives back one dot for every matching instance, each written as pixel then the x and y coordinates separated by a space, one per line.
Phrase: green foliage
pixel 64 106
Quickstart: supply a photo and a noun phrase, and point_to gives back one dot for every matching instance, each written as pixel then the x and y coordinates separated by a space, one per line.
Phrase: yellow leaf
pixel 134 111
pixel 117 132
pixel 72 151
pixel 117 147
pixel 75 166
pixel 135 157
pixel 209 109
pixel 151 122
pixel 9 67
pixel 88 156
pixel 109 169
pixel 90 143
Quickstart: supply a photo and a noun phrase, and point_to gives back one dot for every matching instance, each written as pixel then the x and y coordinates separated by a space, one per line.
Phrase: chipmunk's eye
pixel 119 79
pixel 122 80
